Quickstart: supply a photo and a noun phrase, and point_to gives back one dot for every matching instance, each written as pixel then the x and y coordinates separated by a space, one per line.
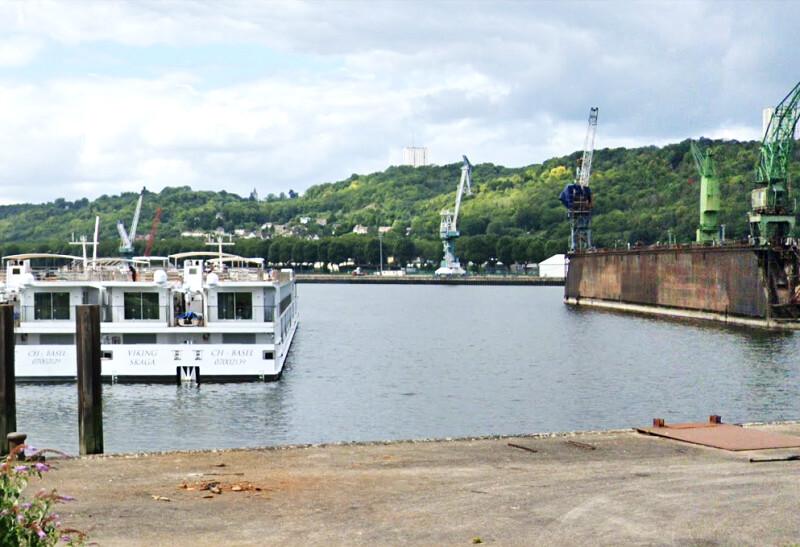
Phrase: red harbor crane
pixel 151 238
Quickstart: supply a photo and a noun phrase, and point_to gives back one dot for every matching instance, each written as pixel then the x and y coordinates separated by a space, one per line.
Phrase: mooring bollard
pixel 8 399
pixel 16 439
pixel 90 391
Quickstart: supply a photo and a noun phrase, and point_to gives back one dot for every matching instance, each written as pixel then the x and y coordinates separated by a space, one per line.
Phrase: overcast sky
pixel 103 97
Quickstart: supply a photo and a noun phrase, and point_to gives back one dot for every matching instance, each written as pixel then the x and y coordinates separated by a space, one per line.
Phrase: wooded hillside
pixel 513 215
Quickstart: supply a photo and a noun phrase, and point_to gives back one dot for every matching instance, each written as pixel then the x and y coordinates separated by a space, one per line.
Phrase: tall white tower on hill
pixel 415 156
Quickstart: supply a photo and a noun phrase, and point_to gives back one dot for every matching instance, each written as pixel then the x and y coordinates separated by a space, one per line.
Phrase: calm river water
pixel 401 362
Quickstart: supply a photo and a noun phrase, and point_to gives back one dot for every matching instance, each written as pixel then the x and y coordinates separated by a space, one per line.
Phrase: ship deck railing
pixel 144 315
pixel 147 275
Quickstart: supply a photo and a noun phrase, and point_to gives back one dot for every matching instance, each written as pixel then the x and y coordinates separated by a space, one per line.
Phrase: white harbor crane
pixel 127 239
pixel 448 230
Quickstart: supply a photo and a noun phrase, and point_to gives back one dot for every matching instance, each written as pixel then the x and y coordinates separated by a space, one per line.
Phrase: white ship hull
pixel 159 362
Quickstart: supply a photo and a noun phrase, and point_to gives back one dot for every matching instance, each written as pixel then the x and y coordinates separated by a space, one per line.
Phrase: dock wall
pixel 706 282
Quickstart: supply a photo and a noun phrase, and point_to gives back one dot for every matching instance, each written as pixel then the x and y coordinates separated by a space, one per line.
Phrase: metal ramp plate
pixel 724 436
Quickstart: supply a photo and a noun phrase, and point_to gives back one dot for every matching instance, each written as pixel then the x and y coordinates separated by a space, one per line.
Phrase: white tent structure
pixel 555 266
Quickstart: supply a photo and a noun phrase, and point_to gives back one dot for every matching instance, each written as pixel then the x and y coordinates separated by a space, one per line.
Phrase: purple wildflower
pixel 26 505
pixel 66 539
pixel 41 534
pixel 20 468
pixel 66 498
pixel 42 467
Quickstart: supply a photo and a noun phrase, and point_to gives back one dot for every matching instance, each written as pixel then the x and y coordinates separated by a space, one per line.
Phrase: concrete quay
pixel 607 488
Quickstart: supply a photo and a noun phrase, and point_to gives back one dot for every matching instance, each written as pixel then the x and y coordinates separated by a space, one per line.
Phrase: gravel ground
pixel 612 488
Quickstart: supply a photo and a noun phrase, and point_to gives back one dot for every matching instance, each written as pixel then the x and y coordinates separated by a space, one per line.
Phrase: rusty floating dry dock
pixel 737 284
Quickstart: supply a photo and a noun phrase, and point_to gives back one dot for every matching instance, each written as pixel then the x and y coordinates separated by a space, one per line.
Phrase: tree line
pixel 356 249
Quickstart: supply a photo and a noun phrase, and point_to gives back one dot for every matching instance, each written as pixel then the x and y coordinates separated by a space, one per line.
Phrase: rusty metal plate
pixel 724 436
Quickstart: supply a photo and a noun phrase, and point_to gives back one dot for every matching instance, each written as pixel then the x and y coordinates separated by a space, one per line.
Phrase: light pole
pixel 380 244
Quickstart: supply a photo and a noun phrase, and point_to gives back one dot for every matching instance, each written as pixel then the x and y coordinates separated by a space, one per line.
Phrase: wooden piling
pixel 90 393
pixel 8 399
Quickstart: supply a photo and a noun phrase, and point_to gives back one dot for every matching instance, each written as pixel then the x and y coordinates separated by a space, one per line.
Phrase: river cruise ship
pixel 185 317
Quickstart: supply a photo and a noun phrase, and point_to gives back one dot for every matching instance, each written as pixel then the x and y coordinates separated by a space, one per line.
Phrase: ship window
pixel 107 355
pixel 238 338
pixel 51 305
pixel 15 271
pixel 235 305
pixel 268 355
pixel 137 338
pixel 57 339
pixel 141 305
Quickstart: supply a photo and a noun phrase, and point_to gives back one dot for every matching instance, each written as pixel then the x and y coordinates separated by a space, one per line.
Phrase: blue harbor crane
pixel 577 196
pixel 448 229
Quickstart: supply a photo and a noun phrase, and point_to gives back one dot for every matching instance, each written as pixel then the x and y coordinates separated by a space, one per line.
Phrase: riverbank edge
pixel 431 280
pixel 390 442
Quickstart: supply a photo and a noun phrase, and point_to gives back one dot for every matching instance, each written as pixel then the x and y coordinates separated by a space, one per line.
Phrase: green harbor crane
pixel 708 230
pixel 772 216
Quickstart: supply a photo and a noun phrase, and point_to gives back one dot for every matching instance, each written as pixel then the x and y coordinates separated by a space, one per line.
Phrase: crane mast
pixel 135 223
pixel 126 239
pixel 588 149
pixel 577 196
pixel 448 229
pixel 708 230
pixel 464 186
pixel 772 216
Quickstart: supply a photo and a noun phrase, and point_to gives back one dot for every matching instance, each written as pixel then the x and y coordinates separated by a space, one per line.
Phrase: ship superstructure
pixel 209 315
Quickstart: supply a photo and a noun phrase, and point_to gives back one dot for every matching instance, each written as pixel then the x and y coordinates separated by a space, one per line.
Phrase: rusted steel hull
pixel 736 284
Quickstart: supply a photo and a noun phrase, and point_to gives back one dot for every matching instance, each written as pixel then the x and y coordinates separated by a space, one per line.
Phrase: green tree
pixel 504 250
pixel 403 251
pixel 337 251
pixel 371 251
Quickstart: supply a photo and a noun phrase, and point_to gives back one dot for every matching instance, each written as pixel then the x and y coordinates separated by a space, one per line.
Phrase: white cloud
pixel 509 83
pixel 18 51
